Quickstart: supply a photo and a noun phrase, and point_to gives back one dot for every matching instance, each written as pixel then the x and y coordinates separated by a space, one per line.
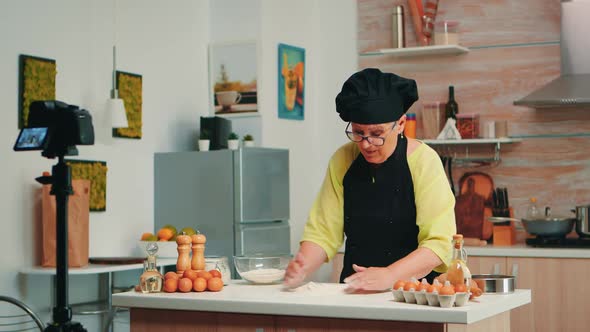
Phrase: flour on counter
pixel 263 276
pixel 322 289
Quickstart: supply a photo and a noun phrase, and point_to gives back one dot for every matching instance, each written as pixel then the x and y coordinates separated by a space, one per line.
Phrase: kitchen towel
pixel 78 217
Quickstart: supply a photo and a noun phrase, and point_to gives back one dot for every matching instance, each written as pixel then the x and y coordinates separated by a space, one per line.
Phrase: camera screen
pixel 31 139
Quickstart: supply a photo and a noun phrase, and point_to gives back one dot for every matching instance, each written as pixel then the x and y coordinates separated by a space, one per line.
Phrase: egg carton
pixel 431 299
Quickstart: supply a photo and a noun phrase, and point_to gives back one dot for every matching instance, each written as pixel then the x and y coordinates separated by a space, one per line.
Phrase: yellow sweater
pixel 435 203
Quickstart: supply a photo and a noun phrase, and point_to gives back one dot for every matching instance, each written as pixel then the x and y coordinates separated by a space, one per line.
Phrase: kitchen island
pixel 555 276
pixel 242 307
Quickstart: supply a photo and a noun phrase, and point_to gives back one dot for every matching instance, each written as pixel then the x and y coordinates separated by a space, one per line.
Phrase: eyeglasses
pixel 374 140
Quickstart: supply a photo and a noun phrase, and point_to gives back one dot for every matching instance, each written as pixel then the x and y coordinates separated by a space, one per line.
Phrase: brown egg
pixel 399 284
pixel 411 285
pixel 447 289
pixel 461 288
pixel 423 285
pixel 432 289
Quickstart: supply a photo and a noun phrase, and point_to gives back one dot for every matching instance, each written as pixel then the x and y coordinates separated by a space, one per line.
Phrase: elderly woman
pixel 387 193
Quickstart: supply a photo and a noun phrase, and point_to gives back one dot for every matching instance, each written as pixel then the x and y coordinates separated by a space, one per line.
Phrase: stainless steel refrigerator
pixel 238 198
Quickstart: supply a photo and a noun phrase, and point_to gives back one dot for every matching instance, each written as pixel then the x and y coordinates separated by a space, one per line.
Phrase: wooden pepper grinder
pixel 184 247
pixel 198 261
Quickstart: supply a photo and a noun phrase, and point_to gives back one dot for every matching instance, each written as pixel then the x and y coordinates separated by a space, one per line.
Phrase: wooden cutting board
pixel 473 204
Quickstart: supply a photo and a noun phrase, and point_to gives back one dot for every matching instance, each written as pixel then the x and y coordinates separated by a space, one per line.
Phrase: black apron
pixel 379 212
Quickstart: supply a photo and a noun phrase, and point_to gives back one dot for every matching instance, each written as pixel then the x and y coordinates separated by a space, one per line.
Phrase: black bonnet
pixel 371 97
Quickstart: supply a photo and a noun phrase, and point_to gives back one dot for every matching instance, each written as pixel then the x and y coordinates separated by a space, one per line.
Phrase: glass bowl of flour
pixel 262 269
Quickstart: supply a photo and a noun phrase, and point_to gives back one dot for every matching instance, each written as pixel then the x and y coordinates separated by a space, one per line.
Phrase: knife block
pixel 504 235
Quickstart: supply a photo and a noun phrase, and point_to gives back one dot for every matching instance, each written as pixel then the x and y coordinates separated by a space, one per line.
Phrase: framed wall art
pixel 233 78
pixel 130 90
pixel 291 82
pixel 96 173
pixel 36 82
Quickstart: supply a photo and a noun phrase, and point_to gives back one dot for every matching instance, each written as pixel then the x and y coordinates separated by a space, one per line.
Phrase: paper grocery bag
pixel 78 217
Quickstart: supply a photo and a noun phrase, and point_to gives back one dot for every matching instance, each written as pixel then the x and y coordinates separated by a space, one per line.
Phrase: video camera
pixel 56 128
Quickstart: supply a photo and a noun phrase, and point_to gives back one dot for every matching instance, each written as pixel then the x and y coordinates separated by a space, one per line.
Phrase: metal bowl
pixel 495 283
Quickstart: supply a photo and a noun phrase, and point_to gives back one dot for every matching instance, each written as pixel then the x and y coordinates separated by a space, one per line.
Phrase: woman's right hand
pixel 295 274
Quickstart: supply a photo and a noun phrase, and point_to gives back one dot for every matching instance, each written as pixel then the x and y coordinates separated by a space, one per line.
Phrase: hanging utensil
pixel 450 164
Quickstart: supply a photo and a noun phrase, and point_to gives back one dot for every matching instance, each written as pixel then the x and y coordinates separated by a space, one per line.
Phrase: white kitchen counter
pixel 325 300
pixel 522 250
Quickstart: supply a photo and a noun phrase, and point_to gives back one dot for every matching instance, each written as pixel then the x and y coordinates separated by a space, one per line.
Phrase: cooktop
pixel 558 242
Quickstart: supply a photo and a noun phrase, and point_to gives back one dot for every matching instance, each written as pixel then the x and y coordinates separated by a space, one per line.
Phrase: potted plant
pixel 233 141
pixel 204 140
pixel 248 140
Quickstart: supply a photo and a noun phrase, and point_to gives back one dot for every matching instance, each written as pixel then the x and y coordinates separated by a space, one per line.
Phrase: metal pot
pixel 544 226
pixel 495 283
pixel 582 220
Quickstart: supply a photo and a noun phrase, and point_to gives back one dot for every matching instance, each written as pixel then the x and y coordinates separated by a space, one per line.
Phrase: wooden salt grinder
pixel 198 261
pixel 184 247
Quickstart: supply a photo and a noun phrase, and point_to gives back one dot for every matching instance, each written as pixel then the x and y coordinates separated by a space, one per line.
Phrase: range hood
pixel 572 88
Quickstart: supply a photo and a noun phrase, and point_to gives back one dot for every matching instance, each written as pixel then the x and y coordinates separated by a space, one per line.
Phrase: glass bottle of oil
pixel 458 272
pixel 151 280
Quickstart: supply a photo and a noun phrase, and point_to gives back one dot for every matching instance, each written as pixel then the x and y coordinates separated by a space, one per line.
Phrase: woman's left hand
pixel 370 278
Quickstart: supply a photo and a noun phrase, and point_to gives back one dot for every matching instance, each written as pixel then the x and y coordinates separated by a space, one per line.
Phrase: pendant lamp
pixel 116 106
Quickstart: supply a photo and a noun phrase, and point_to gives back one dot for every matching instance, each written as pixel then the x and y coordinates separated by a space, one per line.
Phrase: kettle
pixel 583 220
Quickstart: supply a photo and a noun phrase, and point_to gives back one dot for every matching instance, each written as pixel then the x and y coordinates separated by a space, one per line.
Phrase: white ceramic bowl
pixel 166 249
pixel 259 269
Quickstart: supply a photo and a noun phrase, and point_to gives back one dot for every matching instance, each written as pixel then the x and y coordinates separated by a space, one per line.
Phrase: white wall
pixel 163 41
pixel 327 31
pixel 166 42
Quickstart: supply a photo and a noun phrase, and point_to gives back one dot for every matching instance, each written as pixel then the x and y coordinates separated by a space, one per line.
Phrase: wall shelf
pixel 449 49
pixel 420 51
pixel 473 161
pixel 503 140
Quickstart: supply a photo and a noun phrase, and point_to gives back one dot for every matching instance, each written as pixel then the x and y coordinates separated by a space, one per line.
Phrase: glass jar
pixel 446 33
pixel 151 280
pixel 468 125
pixel 219 263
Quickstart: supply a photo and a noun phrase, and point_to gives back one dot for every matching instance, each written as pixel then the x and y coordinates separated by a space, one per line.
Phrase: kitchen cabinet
pixel 151 321
pixel 146 320
pixel 313 324
pixel 560 297
pixel 487 265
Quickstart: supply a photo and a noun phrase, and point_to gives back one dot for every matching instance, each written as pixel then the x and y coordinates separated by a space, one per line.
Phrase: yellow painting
pixel 36 82
pixel 96 172
pixel 130 90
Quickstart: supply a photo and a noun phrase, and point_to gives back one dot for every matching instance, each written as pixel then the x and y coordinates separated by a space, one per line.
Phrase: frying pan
pixel 544 226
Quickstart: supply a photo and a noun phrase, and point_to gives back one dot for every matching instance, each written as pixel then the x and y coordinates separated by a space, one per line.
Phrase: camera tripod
pixel 61 188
